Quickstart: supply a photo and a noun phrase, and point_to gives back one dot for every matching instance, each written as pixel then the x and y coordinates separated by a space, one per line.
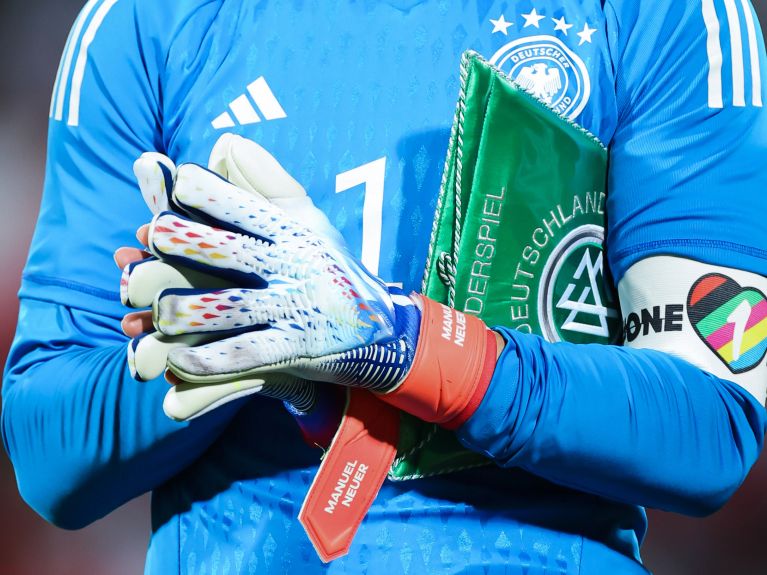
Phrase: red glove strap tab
pixel 351 474
pixel 452 367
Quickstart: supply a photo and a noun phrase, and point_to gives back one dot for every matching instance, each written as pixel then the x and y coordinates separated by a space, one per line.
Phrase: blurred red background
pixel 32 35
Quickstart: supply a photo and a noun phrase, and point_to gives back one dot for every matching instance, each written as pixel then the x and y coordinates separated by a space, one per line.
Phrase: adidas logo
pixel 244 110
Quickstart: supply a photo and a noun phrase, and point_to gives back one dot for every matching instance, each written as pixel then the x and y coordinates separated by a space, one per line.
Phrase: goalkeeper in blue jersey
pixel 354 99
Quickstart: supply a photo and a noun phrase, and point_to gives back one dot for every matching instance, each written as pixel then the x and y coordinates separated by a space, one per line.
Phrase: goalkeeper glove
pixel 306 308
pixel 258 172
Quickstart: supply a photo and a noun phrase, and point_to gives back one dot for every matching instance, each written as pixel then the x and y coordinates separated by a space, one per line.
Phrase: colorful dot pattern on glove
pixel 318 300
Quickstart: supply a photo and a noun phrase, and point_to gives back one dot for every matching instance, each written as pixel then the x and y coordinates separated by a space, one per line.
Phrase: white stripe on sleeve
pixel 714 49
pixel 82 57
pixel 753 46
pixel 61 89
pixel 736 47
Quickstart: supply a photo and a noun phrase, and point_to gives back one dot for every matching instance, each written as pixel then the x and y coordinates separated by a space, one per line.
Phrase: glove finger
pixel 209 197
pixel 186 401
pixel 237 257
pixel 245 355
pixel 337 324
pixel 148 353
pixel 180 311
pixel 142 280
pixel 245 259
pixel 155 174
pixel 261 240
pixel 250 167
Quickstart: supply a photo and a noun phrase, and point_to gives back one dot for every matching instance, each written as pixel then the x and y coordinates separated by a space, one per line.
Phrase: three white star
pixel 501 25
pixel 585 34
pixel 561 25
pixel 532 19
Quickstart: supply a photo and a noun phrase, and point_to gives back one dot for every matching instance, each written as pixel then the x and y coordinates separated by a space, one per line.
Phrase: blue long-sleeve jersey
pixel 583 436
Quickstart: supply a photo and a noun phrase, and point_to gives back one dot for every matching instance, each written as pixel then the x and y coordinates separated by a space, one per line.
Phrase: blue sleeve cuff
pixel 498 408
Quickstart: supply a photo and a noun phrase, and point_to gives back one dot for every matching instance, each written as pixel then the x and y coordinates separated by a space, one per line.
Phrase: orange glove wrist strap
pixel 452 368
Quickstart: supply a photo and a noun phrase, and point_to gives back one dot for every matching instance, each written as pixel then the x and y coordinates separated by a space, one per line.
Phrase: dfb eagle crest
pixel 540 80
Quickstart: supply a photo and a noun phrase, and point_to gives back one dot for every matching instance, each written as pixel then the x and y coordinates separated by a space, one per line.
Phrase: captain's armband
pixel 711 316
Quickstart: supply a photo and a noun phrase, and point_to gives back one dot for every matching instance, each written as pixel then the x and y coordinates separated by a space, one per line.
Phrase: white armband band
pixel 711 316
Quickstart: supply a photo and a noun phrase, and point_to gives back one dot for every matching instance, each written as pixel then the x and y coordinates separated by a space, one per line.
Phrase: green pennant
pixel 517 238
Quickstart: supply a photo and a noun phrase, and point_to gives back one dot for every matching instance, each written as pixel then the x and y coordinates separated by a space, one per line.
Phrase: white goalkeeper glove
pixel 254 170
pixel 304 307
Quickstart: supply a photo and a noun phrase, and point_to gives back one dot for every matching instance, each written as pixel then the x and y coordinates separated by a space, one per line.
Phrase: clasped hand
pixel 252 291
pixel 244 298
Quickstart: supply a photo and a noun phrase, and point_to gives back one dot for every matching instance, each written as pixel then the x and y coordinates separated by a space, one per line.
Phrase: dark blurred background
pixel 32 36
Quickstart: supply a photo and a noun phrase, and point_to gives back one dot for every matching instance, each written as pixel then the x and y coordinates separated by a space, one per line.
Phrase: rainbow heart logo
pixel 730 319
